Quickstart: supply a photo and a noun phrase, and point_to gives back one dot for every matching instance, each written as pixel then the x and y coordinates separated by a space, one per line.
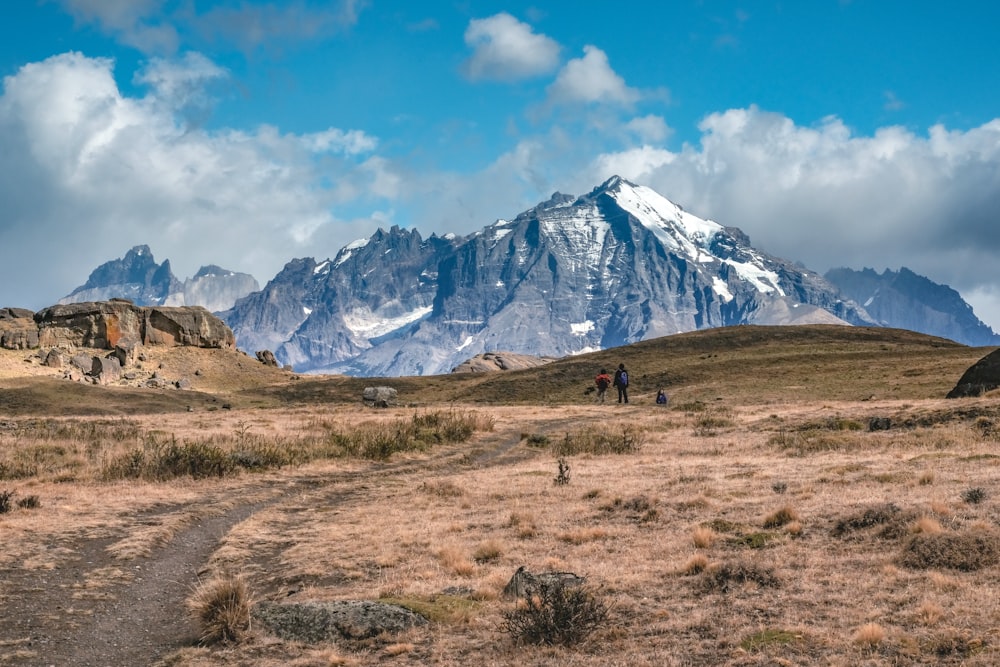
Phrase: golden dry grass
pixel 749 531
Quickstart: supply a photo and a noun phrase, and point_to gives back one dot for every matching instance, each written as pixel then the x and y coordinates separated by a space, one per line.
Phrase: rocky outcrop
pixel 17 329
pixel 524 584
pixel 119 323
pixel 500 361
pixel 983 376
pixel 313 622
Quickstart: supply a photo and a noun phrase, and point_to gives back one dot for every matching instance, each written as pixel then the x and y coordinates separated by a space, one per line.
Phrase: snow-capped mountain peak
pixel 570 275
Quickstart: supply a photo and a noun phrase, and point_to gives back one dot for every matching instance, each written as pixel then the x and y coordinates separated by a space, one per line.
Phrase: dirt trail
pixel 53 618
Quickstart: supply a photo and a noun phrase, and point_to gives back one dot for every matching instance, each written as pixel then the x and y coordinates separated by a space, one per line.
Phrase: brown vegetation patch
pixel 722 577
pixel 894 521
pixel 967 552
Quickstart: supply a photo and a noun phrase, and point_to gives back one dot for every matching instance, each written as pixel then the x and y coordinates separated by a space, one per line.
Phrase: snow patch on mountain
pixel 364 323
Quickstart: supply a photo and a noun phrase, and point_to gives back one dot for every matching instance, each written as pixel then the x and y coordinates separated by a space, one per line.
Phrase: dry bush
pixel 930 613
pixel 622 438
pixel 488 552
pixel 877 515
pixel 780 517
pixel 926 478
pixel 456 560
pixel 966 552
pixel 523 524
pixel 696 564
pixel 794 528
pixel 974 496
pixel 869 635
pixel 703 537
pixel 221 607
pixel 927 525
pixel 722 577
pixel 556 615
pixel 5 501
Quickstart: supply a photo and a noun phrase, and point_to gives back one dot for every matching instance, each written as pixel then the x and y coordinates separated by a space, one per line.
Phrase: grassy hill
pixel 735 365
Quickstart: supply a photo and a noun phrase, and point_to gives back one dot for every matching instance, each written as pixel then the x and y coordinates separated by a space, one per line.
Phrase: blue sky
pixel 837 133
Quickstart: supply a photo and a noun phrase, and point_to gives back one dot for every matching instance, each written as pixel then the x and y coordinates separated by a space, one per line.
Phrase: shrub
pixel 966 552
pixel 221 608
pixel 556 615
pixel 563 476
pixel 779 518
pixel 722 577
pixel 5 501
pixel 770 637
pixel 615 439
pixel 29 502
pixel 974 496
pixel 869 634
pixel 872 516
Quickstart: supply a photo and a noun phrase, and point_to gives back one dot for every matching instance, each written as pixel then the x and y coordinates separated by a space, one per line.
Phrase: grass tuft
pixel 221 607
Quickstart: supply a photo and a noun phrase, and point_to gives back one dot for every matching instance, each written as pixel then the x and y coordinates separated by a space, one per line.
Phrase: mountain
pixel 574 274
pixel 140 279
pixel 317 314
pixel 905 300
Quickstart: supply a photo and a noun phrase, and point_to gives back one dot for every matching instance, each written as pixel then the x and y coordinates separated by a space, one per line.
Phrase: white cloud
pixel 87 173
pixel 506 49
pixel 335 140
pixel 649 128
pixel 829 198
pixel 590 79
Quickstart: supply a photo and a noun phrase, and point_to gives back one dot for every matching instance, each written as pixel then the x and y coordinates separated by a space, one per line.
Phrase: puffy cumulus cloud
pixel 87 173
pixel 506 49
pixel 829 198
pixel 590 79
pixel 649 128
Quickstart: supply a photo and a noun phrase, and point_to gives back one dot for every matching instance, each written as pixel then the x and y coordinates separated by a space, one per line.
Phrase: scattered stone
pixel 523 584
pixel 82 362
pixel 106 370
pixel 266 357
pixel 54 359
pixel 379 397
pixel 183 383
pixel 314 622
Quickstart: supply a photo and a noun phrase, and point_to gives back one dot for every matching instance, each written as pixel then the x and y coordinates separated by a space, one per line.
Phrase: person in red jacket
pixel 603 381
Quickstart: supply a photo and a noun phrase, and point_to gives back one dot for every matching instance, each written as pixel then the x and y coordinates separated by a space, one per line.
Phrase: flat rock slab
pixel 314 622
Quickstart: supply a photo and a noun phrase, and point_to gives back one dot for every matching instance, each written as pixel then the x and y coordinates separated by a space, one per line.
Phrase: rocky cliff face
pixel 110 324
pixel 314 314
pixel 571 275
pixel 905 300
pixel 138 278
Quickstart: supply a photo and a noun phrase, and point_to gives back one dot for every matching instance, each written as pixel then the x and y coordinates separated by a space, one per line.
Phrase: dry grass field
pixel 756 520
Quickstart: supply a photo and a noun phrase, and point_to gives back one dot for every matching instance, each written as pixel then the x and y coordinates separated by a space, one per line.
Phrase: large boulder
pixel 121 324
pixel 187 325
pixel 379 397
pixel 983 376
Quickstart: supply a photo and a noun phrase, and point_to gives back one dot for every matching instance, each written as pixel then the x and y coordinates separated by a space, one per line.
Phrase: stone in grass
pixel 313 622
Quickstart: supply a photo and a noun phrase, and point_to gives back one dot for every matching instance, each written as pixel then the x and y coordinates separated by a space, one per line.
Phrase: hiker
pixel 621 383
pixel 661 397
pixel 603 381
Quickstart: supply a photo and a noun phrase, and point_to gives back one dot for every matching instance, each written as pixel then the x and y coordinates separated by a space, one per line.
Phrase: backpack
pixel 602 382
pixel 623 379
